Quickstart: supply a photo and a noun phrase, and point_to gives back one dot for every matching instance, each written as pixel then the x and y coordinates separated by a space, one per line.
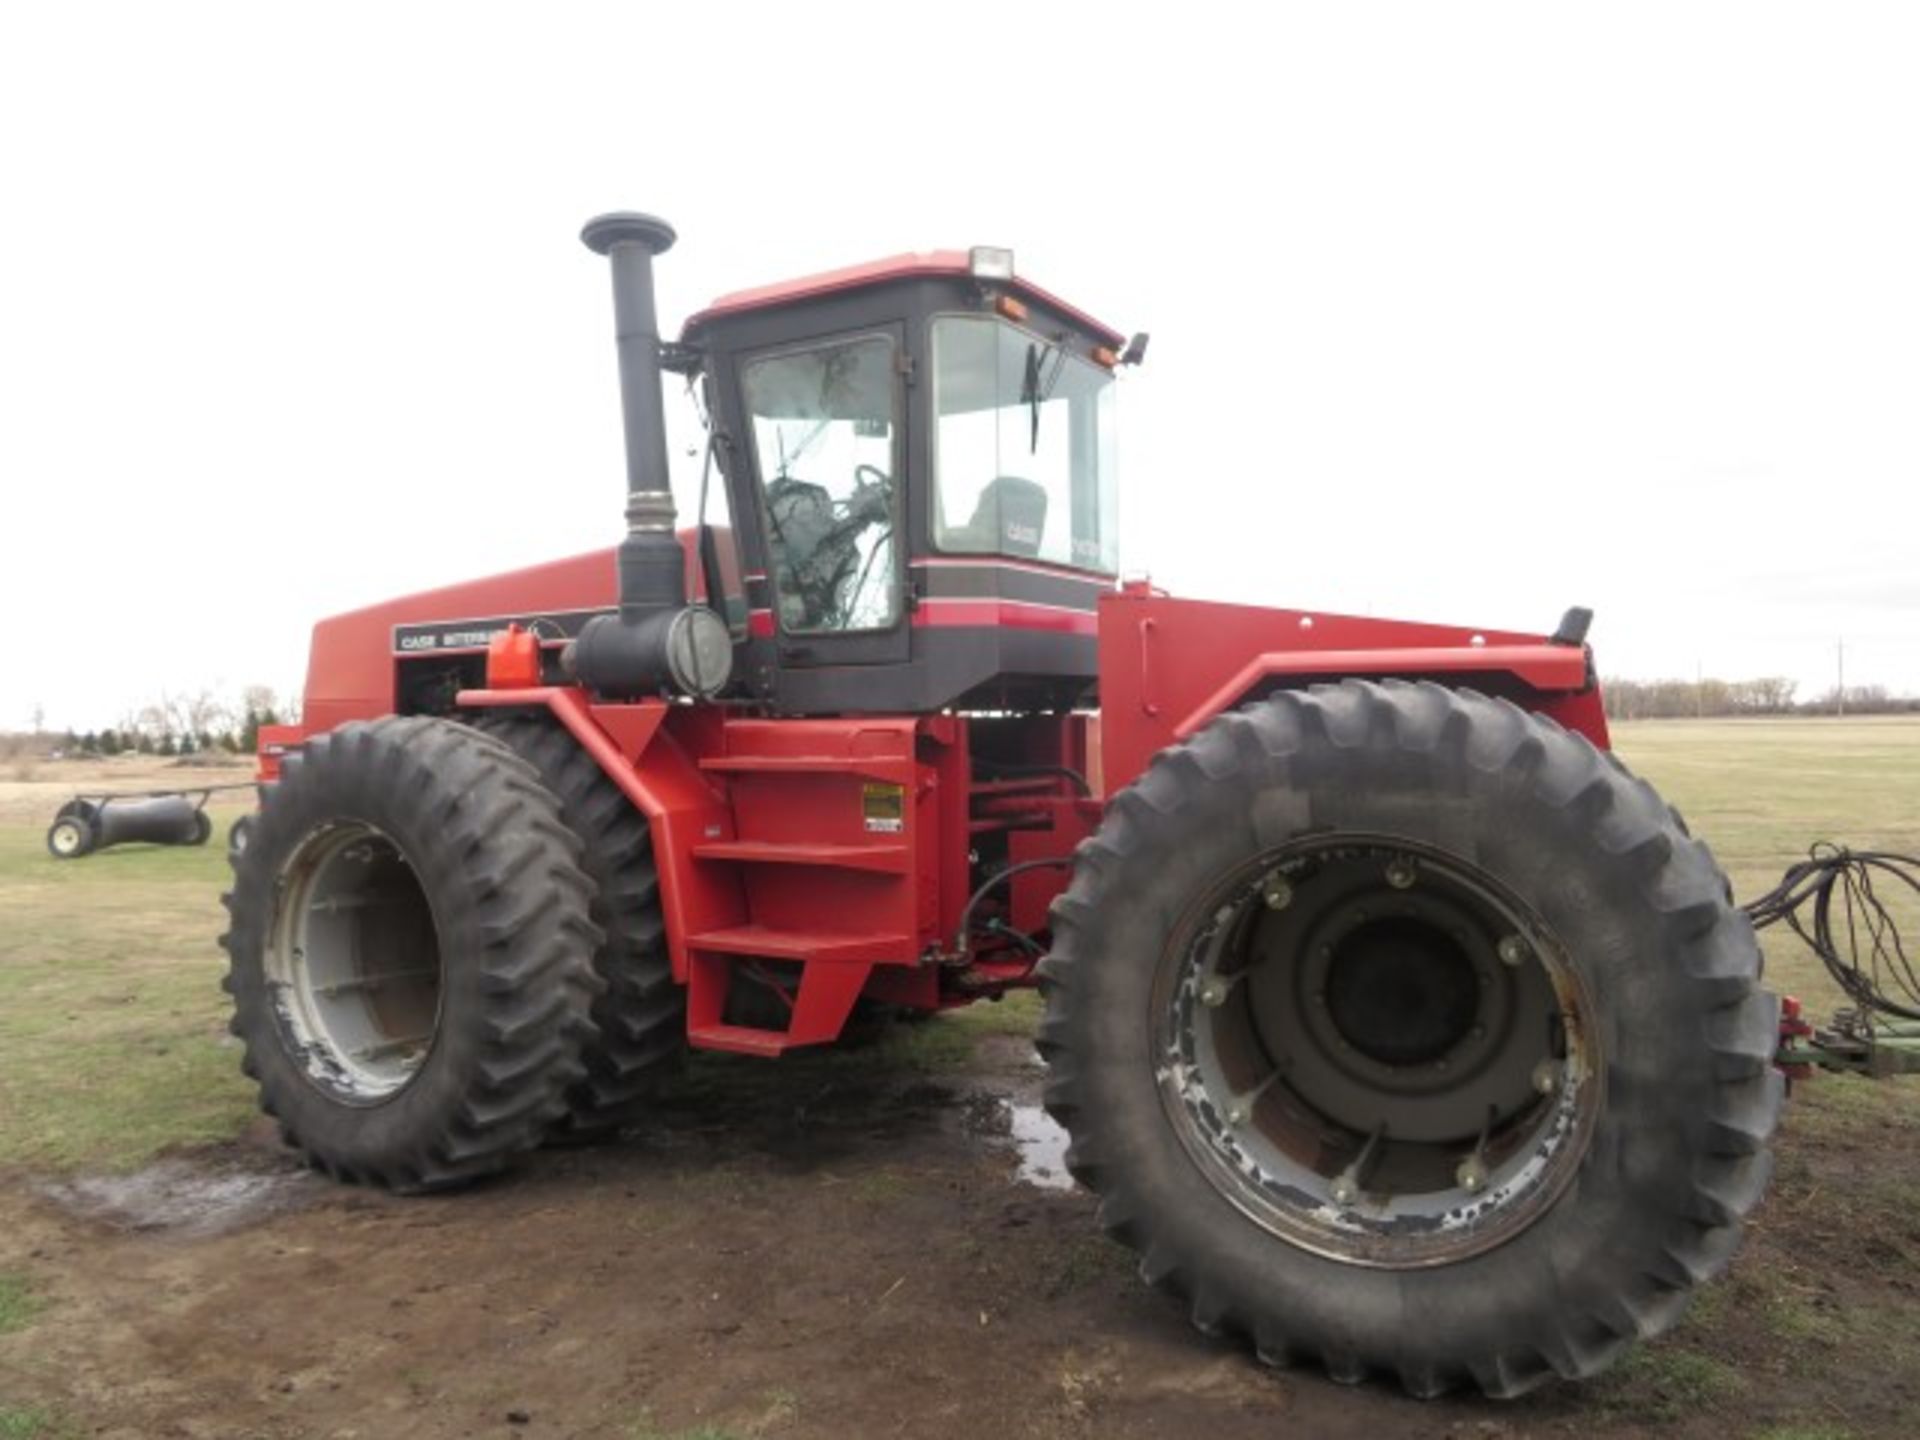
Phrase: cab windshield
pixel 1023 447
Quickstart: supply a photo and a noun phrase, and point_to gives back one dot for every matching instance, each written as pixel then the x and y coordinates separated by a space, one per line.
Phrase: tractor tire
pixel 640 1016
pixel 1401 1030
pixel 411 954
pixel 71 836
pixel 238 835
pixel 202 828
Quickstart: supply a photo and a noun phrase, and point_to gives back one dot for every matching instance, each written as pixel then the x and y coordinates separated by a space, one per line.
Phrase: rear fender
pixel 1168 667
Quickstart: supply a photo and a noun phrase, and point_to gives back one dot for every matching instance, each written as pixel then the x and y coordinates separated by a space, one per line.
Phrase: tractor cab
pixel 920 462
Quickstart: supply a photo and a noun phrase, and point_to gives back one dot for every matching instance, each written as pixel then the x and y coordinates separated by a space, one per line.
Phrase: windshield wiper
pixel 1038 384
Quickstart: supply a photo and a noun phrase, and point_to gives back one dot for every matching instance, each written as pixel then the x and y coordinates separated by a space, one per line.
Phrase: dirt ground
pixel 845 1249
pixel 857 1243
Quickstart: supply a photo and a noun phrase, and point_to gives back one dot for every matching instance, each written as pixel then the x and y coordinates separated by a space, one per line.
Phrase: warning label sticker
pixel 884 806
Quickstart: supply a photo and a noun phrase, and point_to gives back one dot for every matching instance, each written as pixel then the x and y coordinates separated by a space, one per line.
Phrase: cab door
pixel 826 422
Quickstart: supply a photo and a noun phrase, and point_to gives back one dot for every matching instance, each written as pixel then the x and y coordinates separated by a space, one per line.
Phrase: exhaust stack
pixel 657 641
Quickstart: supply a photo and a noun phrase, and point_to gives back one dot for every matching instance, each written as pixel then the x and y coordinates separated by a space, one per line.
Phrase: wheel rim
pixel 354 965
pixel 1376 1051
pixel 67 837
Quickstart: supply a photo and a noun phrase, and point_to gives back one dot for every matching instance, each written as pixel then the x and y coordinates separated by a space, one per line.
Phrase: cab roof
pixel 909 266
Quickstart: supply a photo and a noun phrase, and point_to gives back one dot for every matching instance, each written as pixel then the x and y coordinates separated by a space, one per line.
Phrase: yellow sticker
pixel 884 806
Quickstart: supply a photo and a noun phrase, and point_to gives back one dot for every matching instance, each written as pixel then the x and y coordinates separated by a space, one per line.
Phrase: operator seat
pixel 1009 518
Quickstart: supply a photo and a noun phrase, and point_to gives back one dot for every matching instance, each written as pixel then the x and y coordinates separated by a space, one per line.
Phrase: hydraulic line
pixel 1855 938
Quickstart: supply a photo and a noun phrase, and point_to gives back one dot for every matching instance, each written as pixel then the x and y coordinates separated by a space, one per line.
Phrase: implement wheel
pixel 1401 1029
pixel 640 1015
pixel 411 954
pixel 71 836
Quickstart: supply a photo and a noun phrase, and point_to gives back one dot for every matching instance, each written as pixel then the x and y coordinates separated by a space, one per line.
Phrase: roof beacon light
pixel 990 262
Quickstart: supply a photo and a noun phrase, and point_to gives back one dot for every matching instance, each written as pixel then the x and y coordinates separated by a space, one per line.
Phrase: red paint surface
pixel 1168 666
pixel 1009 614
pixel 909 266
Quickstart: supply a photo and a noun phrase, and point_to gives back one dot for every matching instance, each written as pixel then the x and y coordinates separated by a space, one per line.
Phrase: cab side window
pixel 824 429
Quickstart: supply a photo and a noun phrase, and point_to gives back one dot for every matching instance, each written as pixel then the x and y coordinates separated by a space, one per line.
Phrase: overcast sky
pixel 1459 312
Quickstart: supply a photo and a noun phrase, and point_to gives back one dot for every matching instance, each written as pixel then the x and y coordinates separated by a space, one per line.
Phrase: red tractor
pixel 1394 1022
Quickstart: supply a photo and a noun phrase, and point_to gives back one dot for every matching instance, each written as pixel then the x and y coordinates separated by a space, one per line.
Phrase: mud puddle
pixel 187 1196
pixel 1002 1107
pixel 1042 1146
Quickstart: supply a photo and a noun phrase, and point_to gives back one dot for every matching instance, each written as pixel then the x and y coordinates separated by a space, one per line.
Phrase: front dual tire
pixel 411 954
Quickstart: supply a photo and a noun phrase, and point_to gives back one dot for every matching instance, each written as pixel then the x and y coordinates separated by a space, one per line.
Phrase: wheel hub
pixel 354 963
pixel 1376 1052
pixel 1400 991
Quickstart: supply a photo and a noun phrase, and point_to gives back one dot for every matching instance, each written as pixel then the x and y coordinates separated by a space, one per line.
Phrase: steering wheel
pixel 868 479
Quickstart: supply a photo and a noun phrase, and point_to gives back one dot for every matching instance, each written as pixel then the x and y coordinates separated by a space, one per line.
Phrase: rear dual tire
pixel 1277 1204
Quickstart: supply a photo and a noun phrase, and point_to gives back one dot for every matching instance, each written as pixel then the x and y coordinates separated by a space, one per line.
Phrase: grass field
pixel 113 1049
pixel 1761 791
pixel 111 1018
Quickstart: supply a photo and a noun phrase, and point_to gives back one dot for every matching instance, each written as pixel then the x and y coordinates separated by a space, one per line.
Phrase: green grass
pixel 32 1422
pixel 1668 1382
pixel 112 1019
pixel 1760 791
pixel 18 1304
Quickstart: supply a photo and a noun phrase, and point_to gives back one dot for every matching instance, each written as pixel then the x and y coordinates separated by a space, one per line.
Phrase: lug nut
pixel 1514 951
pixel 1471 1175
pixel 1213 993
pixel 1237 1114
pixel 1278 891
pixel 1344 1191
pixel 1546 1078
pixel 1400 873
